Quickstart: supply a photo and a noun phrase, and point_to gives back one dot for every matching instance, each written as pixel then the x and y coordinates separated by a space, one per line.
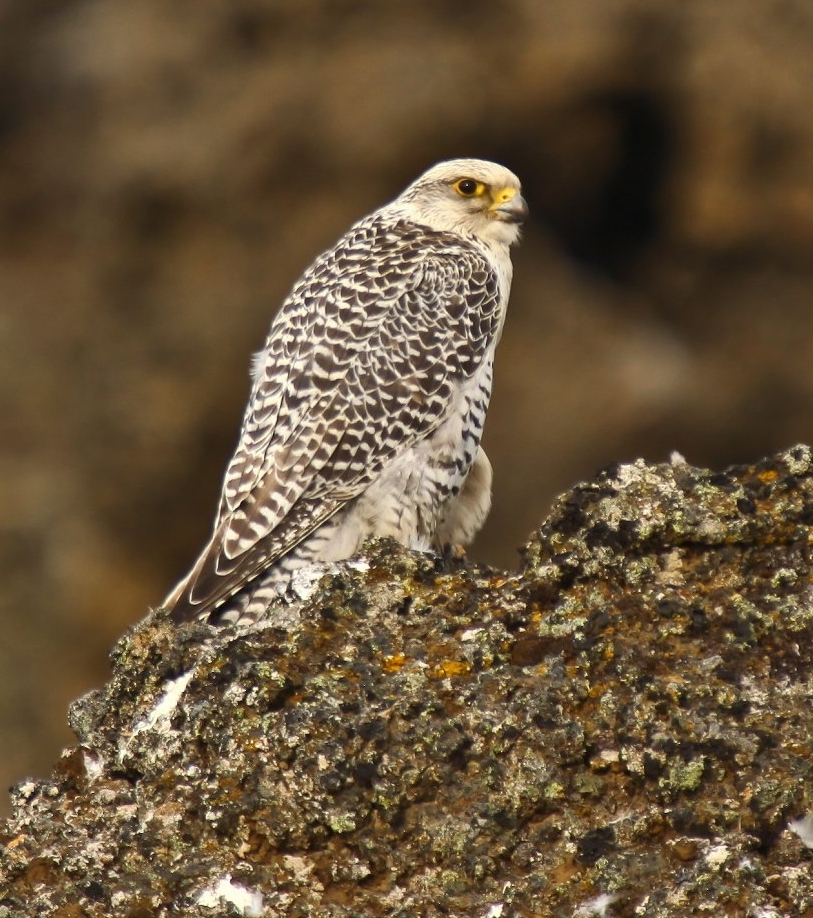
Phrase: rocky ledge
pixel 623 727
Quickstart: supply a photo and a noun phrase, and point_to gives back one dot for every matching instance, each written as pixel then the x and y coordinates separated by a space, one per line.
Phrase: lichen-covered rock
pixel 622 728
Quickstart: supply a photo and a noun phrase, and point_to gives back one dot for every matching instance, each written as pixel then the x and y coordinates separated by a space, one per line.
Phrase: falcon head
pixel 469 196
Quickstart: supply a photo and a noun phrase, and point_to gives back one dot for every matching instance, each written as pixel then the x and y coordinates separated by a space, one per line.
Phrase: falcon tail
pixel 213 580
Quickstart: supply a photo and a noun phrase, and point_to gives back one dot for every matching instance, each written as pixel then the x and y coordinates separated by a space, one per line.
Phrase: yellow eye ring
pixel 469 188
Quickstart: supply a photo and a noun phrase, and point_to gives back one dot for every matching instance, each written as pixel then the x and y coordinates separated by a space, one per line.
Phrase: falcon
pixel 369 397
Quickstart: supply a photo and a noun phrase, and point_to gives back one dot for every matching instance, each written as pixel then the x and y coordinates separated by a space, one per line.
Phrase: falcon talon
pixel 450 551
pixel 369 397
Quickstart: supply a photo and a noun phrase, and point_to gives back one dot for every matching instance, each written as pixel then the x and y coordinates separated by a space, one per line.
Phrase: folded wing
pixel 360 364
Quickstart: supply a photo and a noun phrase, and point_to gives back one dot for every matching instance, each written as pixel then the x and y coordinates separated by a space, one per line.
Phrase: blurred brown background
pixel 167 170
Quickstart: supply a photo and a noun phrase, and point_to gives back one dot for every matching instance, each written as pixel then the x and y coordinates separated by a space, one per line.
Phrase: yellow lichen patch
pixel 394 663
pixel 452 668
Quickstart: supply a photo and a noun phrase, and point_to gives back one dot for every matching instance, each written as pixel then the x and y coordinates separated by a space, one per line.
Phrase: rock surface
pixel 624 727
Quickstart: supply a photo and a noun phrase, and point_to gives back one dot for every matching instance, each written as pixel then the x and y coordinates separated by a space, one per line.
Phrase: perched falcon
pixel 368 400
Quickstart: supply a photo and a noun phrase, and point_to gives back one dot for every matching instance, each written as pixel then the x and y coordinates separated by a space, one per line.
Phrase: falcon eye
pixel 468 187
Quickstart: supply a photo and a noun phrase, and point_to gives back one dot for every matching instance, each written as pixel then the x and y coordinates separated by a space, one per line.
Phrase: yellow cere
pixel 503 195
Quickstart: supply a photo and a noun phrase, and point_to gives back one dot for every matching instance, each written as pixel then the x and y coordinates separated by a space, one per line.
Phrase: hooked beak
pixel 509 206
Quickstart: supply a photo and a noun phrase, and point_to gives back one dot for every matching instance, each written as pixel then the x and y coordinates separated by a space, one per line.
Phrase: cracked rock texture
pixel 622 728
